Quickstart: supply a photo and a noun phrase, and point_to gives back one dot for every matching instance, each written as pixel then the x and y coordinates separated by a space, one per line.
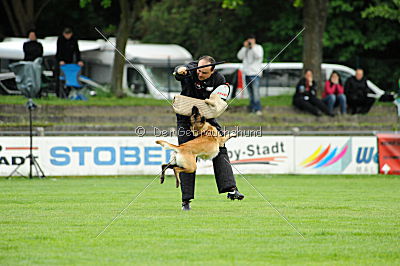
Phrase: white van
pixel 148 71
pixel 282 78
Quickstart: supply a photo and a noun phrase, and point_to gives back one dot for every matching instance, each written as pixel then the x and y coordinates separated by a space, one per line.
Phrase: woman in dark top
pixel 305 97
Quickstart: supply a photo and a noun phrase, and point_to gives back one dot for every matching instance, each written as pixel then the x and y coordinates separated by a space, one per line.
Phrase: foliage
pixel 104 3
pixel 388 9
pixel 220 32
pixel 355 35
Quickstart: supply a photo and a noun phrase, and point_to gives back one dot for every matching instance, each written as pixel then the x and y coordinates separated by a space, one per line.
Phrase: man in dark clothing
pixel 305 97
pixel 200 84
pixel 68 49
pixel 67 53
pixel 356 90
pixel 32 48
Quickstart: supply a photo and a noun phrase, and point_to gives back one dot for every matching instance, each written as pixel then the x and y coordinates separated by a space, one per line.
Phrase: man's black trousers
pixel 222 168
pixel 360 105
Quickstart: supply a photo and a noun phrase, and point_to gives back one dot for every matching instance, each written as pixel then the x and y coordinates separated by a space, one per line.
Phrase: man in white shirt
pixel 252 55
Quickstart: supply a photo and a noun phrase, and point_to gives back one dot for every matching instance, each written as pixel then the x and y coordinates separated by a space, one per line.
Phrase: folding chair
pixel 70 75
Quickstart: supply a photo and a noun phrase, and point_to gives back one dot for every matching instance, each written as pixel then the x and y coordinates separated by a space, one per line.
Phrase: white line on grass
pixel 266 200
pixel 127 206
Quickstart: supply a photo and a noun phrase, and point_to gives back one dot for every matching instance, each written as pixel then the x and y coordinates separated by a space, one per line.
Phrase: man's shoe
pixel 186 206
pixel 235 195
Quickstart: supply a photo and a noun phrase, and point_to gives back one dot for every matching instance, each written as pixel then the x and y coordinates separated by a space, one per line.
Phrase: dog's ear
pixel 195 110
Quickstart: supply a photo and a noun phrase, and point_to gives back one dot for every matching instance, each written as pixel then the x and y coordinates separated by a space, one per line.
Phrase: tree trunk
pixel 314 19
pixel 11 19
pixel 129 13
pixel 22 16
pixel 119 61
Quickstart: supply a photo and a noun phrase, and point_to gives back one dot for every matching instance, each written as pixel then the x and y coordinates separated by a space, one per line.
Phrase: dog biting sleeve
pixel 210 108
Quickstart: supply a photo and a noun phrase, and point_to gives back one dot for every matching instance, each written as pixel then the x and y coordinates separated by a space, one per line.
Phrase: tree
pixel 23 15
pixel 384 9
pixel 315 13
pixel 130 11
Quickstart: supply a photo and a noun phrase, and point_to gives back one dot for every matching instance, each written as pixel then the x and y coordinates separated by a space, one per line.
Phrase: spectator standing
pixel 356 90
pixel 32 48
pixel 305 97
pixel 67 53
pixel 333 94
pixel 252 55
pixel 68 48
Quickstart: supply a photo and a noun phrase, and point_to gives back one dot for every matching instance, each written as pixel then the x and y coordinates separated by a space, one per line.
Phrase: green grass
pixel 345 220
pixel 93 101
pixel 106 100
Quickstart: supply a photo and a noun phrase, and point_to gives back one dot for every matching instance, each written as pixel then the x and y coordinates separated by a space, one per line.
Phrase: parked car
pixel 281 78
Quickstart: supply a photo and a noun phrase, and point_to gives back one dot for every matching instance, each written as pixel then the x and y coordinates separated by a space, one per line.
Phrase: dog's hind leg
pixel 170 165
pixel 164 167
pixel 188 166
pixel 177 171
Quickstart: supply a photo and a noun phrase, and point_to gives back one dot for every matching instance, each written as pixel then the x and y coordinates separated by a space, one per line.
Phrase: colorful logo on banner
pixel 265 160
pixel 329 159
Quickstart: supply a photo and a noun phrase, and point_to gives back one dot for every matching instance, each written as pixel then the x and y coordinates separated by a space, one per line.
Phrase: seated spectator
pixel 333 94
pixel 356 90
pixel 32 48
pixel 305 97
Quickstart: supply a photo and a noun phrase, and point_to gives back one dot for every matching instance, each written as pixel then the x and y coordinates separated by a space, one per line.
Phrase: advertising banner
pixel 258 155
pixel 64 156
pixel 389 153
pixel 336 155
pixel 70 156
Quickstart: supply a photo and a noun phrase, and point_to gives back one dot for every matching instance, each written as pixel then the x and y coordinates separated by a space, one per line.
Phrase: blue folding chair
pixel 70 73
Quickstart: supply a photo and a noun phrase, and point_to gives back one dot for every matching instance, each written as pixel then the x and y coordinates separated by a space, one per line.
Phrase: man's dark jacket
pixel 195 88
pixel 67 49
pixel 356 89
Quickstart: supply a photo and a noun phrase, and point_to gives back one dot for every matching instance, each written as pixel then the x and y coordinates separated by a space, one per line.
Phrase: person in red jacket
pixel 333 94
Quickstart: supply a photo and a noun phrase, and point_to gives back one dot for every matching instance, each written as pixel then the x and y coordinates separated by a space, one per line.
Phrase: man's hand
pixel 182 70
pixel 246 43
pixel 80 63
pixel 62 63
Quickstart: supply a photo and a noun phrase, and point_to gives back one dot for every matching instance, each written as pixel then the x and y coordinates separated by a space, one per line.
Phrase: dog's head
pixel 197 121
pixel 199 125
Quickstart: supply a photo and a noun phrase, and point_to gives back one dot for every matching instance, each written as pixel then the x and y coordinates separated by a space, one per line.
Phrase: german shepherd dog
pixel 205 146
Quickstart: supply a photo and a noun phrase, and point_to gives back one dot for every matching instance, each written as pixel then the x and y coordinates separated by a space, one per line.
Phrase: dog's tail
pixel 167 145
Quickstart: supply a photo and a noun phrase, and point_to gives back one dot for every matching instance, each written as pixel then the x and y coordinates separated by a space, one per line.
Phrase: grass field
pixel 345 220
pixel 108 100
